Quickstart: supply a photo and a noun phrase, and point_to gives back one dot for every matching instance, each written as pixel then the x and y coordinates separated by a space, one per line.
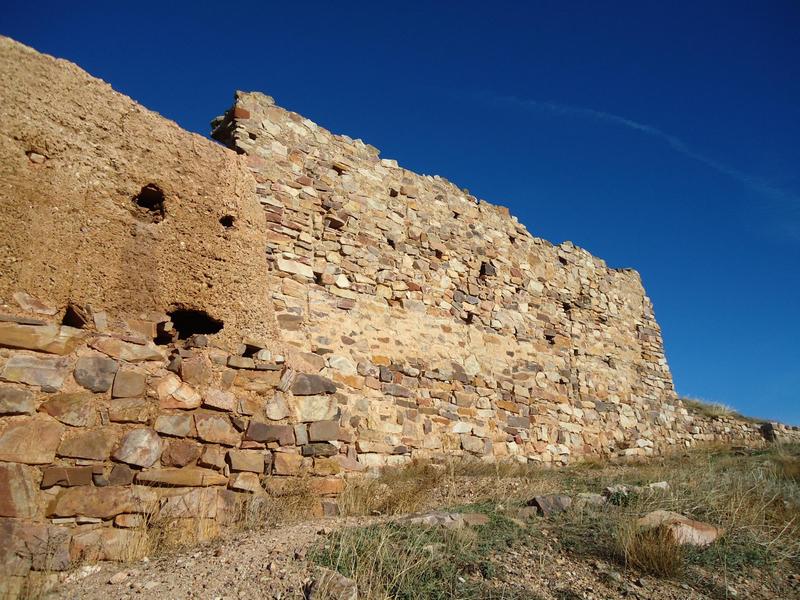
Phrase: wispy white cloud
pixel 789 202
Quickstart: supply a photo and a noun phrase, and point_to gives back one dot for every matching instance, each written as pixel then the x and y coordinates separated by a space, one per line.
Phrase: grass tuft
pixel 708 409
pixel 652 551
pixel 398 490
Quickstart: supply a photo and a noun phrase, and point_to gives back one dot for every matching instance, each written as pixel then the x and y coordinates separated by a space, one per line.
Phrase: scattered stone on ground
pixel 685 531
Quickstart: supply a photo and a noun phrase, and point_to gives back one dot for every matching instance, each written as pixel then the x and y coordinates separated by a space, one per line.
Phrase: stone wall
pixel 468 334
pixel 182 328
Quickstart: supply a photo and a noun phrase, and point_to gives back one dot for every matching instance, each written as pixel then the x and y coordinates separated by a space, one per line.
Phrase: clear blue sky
pixel 663 136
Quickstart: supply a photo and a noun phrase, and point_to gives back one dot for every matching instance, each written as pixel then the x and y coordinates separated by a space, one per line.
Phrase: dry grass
pixel 787 466
pixel 423 485
pixel 160 534
pixel 653 551
pixel 398 490
pixel 754 497
pixel 713 410
pixel 36 584
pixel 414 562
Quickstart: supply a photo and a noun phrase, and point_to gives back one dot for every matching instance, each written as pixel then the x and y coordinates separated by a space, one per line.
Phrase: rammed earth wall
pixel 182 327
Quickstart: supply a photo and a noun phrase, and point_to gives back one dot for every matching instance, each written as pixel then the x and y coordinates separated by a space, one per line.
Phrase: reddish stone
pixel 213 457
pixel 216 429
pixel 66 476
pixel 286 463
pixel 129 410
pixel 185 477
pixel 121 475
pixel 26 546
pixel 245 482
pixel 180 453
pixel 129 521
pixel 18 489
pixel 91 445
pixel 240 113
pixel 128 351
pixel 54 339
pixel 30 440
pixel 128 384
pixel 265 432
pixel 246 460
pixel 219 399
pixel 197 503
pixel 323 431
pixel 196 370
pixel 103 503
pixel 75 409
pixel 108 543
pixel 326 486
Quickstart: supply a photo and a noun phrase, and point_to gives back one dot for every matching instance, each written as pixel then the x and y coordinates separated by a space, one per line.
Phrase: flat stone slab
pixel 128 351
pixel 30 440
pixel 102 503
pixel 312 385
pixel 96 373
pixel 685 531
pixel 88 444
pixel 54 339
pixel 47 373
pixel 551 504
pixel 185 477
pixel 76 409
pixel 445 520
pixel 16 401
pixel 128 384
pixel 18 491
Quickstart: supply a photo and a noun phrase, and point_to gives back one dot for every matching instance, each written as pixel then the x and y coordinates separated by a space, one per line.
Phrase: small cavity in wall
pixel 149 204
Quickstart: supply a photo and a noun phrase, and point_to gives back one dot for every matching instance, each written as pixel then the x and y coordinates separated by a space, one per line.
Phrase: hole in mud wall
pixel 227 221
pixel 150 203
pixel 189 321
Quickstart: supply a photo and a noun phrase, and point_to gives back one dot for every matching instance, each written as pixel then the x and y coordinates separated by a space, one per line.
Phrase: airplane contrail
pixel 753 183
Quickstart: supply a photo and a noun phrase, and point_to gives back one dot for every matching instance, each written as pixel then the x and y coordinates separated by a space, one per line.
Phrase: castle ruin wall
pixel 184 326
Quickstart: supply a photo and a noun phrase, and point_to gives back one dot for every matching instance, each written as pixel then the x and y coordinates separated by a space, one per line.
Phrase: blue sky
pixel 659 136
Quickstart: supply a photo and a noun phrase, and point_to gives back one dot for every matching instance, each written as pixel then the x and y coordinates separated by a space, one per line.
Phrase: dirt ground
pixel 272 564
